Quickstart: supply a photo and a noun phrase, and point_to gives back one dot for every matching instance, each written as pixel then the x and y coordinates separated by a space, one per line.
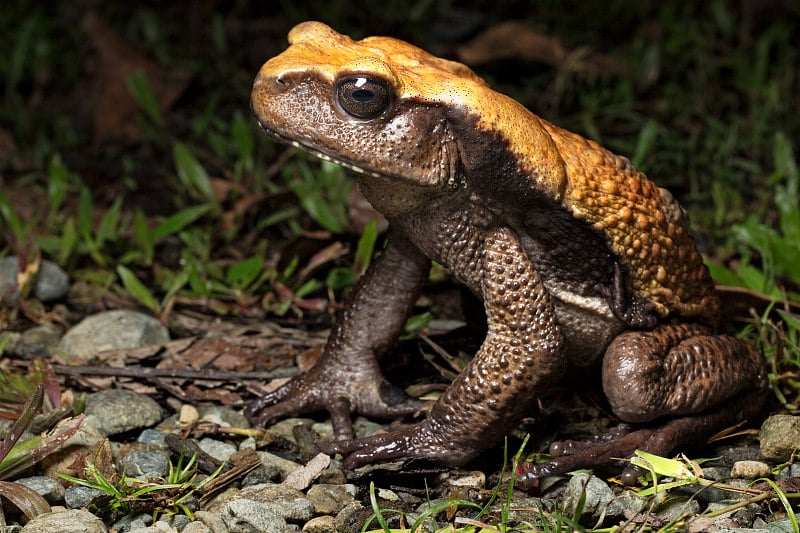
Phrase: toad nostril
pixel 273 84
pixel 278 84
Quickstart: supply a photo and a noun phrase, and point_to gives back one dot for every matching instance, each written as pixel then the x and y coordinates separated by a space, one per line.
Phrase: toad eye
pixel 363 97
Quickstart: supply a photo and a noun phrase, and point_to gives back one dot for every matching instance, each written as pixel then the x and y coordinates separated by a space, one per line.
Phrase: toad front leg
pixel 347 378
pixel 522 351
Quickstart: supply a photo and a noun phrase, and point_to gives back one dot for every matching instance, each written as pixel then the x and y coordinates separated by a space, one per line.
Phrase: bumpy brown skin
pixel 578 258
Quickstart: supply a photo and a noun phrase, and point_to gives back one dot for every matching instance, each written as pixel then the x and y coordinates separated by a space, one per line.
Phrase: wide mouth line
pixel 316 152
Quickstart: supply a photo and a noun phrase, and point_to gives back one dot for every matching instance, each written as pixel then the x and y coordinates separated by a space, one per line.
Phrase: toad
pixel 579 261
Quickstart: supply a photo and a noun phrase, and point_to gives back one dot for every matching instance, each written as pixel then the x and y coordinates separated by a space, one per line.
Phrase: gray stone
pixel 112 330
pixel 788 471
pixel 69 521
pixel 716 473
pixel 89 434
pixel 37 341
pixel 180 521
pixel 221 451
pixel 784 525
pixel 145 465
pixel 132 522
pixel 79 496
pixel 779 437
pixel 52 283
pixel 199 527
pixel 212 520
pixel 274 462
pixel 598 495
pixel 248 516
pixel 159 527
pixel 153 438
pixel 289 503
pixel 248 443
pixel 675 508
pixel 120 410
pixel 47 487
pixel 626 504
pixel 330 499
pixel 262 474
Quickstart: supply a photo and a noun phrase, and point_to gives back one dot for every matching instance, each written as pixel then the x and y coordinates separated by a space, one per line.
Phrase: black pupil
pixel 363 95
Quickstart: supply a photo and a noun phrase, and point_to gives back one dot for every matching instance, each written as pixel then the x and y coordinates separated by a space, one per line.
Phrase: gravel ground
pixel 289 486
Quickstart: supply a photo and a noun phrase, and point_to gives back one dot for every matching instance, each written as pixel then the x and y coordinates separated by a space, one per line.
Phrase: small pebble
pixel 111 330
pixel 221 451
pixel 248 516
pixel 38 341
pixel 321 524
pixel 79 496
pixel 73 520
pixel 779 437
pixel 750 470
pixel 52 282
pixel 590 491
pixel 47 487
pixel 289 503
pixel 120 410
pixel 145 465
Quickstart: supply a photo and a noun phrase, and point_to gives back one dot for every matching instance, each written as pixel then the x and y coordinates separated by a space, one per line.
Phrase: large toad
pixel 577 257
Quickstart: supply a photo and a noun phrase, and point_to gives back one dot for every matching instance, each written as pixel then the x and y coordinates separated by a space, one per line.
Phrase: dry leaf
pixel 516 40
pixel 114 109
pixel 302 477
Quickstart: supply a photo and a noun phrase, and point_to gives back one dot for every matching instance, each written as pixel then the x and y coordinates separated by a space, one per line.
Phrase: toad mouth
pixel 316 152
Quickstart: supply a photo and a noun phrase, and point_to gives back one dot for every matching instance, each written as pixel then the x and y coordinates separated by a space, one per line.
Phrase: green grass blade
pixel 137 289
pixel 57 185
pixel 365 248
pixel 192 174
pixel 109 224
pixel 143 94
pixel 9 216
pixel 145 237
pixel 176 222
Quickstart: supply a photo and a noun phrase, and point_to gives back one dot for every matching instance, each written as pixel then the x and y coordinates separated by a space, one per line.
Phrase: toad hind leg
pixel 697 382
pixel 347 378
